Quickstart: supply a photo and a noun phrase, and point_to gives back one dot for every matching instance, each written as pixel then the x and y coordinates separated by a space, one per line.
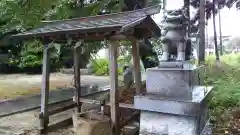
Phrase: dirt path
pixel 28 123
pixel 17 85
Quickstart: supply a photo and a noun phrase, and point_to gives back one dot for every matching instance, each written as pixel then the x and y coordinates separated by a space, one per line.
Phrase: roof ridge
pixel 158 7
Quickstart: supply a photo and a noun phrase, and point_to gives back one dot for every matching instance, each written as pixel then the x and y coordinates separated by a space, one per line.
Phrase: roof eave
pixel 66 32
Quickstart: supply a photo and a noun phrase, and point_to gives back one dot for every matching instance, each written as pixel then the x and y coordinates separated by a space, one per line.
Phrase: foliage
pixel 138 4
pixel 225 78
pixel 228 123
pixel 209 8
pixel 101 66
pixel 31 56
pixel 225 97
pixel 234 43
pixel 224 100
pixel 22 15
pixel 157 45
pixel 231 3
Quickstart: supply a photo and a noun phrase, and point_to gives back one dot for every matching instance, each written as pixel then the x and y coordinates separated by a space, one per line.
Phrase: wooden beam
pixel 136 66
pixel 114 101
pixel 44 119
pixel 118 37
pixel 77 79
pixel 92 101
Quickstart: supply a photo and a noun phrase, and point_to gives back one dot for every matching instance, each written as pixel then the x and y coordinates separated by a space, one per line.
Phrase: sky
pixel 230 19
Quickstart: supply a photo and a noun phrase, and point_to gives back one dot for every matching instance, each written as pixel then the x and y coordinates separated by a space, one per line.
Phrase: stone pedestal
pixel 91 123
pixel 172 82
pixel 130 129
pixel 174 103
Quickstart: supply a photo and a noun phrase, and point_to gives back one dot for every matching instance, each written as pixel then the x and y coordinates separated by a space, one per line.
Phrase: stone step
pixel 10 131
pixel 131 129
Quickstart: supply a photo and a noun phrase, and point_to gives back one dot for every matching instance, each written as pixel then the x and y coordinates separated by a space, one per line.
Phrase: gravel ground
pixel 20 123
pixel 27 123
pixel 64 131
pixel 17 85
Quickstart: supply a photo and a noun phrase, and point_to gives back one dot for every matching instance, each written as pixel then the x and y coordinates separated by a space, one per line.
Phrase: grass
pixel 225 77
pixel 225 98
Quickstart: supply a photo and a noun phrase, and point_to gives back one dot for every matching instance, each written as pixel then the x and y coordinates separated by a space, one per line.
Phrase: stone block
pixel 130 129
pixel 91 123
pixel 172 82
pixel 167 124
pixel 168 116
pixel 192 107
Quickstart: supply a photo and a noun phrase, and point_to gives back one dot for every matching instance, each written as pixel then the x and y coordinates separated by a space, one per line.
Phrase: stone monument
pixel 174 102
pixel 128 77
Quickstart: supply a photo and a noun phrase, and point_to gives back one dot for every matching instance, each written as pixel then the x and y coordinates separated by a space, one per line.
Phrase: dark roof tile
pixel 90 23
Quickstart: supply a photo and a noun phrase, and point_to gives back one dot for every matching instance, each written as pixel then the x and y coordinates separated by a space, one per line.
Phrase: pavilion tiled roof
pixel 102 25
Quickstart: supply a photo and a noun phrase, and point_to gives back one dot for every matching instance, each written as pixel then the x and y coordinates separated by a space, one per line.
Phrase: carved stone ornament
pixel 174 35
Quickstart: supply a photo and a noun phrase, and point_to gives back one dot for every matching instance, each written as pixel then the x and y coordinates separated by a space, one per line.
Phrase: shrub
pixel 100 67
pixel 31 57
pixel 225 78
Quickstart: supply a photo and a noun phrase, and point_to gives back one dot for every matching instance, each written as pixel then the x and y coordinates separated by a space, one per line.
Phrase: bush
pixel 225 78
pixel 31 57
pixel 100 67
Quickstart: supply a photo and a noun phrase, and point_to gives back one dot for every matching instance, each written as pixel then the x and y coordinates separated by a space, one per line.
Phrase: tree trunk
pixel 206 36
pixel 201 45
pixel 215 32
pixel 164 4
pixel 187 6
pixel 220 32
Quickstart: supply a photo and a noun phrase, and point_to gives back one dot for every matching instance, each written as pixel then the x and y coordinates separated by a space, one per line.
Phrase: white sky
pixel 230 19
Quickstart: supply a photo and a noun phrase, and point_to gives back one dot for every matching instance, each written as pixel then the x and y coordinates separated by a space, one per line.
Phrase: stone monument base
pixel 166 116
pixel 174 102
pixel 166 124
pixel 91 123
pixel 173 82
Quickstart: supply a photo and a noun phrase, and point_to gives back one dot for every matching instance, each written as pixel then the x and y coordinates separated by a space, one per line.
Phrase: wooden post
pixel 201 48
pixel 77 79
pixel 44 117
pixel 136 65
pixel 114 101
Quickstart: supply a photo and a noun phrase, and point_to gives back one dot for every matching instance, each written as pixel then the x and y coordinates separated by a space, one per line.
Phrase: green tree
pixel 21 15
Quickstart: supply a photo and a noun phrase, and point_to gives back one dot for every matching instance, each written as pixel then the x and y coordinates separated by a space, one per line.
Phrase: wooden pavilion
pixel 133 26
